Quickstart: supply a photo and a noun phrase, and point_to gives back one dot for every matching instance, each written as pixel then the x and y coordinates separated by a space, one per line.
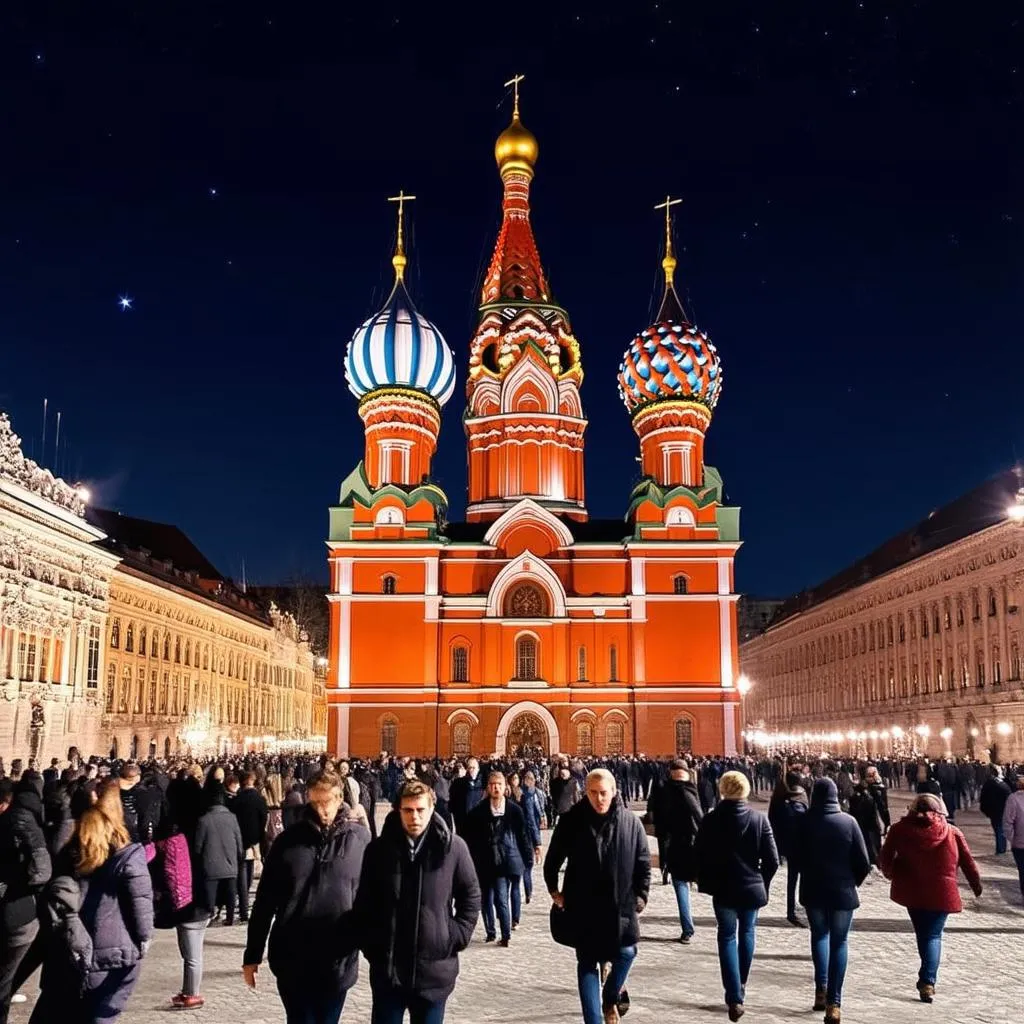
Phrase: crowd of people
pixel 96 854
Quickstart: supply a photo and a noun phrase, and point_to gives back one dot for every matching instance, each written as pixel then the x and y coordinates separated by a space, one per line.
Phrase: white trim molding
pixel 527 568
pixel 527 511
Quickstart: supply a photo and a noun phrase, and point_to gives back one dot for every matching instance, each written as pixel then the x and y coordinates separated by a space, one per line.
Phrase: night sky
pixel 850 237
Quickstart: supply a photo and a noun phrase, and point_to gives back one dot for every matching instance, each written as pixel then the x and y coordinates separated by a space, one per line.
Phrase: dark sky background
pixel 851 238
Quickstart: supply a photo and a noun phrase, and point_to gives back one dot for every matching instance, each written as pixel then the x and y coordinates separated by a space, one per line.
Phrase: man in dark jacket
pixel 24 870
pixel 785 810
pixel 677 817
pixel 220 852
pixel 829 852
pixel 465 793
pixel 607 879
pixel 949 784
pixel 251 810
pixel 501 849
pixel 416 907
pixel 305 897
pixel 994 794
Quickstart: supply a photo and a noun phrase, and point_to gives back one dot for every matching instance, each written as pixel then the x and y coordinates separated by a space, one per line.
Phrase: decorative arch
pixel 615 713
pixel 513 712
pixel 389 515
pixel 526 649
pixel 462 713
pixel 583 713
pixel 527 568
pixel 532 379
pixel 531 518
pixel 680 515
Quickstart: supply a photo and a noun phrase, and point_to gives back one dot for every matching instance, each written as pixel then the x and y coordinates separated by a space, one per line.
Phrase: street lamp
pixel 743 685
pixel 1004 728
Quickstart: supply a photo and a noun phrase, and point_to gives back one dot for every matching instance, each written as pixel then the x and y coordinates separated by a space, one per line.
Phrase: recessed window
pixel 581 664
pixel 613 663
pixel 684 736
pixel 526 658
pixel 460 665
pixel 526 601
pixel 388 585
pixel 679 584
pixel 115 633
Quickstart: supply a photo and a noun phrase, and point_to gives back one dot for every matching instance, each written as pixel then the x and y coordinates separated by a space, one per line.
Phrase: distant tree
pixel 306 600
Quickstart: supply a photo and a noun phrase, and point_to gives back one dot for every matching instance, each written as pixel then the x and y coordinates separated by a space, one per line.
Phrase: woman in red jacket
pixel 921 855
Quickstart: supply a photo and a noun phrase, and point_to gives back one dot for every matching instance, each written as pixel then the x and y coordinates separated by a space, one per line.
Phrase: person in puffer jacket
pixel 921 855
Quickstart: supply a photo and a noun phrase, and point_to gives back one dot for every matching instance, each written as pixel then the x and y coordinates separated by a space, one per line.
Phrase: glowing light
pixel 1004 728
pixel 873 734
pixel 946 733
pixel 923 731
pixel 83 493
pixel 897 732
pixel 974 731
pixel 125 302
pixel 884 734
pixel 1016 511
pixel 743 684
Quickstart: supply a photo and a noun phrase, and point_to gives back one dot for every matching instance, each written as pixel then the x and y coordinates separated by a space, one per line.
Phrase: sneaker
pixel 503 943
pixel 684 939
pixel 192 1002
pixel 490 938
pixel 926 991
pixel 19 997
pixel 735 1011
pixel 178 1000
pixel 819 999
pixel 622 1004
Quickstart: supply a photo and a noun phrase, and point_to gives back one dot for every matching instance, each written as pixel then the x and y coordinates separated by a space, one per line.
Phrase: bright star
pixel 213 193
pixel 125 302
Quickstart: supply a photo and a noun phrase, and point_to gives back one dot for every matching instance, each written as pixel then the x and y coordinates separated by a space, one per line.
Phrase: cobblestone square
pixel 534 980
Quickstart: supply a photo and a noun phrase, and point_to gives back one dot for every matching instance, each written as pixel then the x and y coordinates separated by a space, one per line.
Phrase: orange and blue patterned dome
pixel 671 359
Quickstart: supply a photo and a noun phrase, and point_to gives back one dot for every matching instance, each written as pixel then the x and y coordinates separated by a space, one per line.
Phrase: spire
pixel 671 308
pixel 398 261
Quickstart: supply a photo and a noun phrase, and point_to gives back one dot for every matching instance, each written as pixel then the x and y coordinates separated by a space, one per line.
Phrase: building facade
pixel 531 624
pixel 55 581
pixel 193 665
pixel 916 648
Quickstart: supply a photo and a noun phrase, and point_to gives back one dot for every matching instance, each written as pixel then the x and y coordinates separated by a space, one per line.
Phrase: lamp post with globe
pixel 743 686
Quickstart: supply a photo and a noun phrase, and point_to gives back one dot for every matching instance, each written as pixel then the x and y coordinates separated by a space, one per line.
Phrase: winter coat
pixel 416 908
pixel 24 860
pixel 465 794
pixel 219 843
pixel 565 794
pixel 1013 820
pixel 499 843
pixel 176 865
pixel 251 811
pixel 306 891
pixel 677 817
pixel 607 870
pixel 736 855
pixel 784 817
pixel 994 794
pixel 920 856
pixel 532 803
pixel 828 850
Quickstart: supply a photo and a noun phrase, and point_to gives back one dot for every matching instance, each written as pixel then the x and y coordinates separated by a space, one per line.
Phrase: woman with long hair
pixel 920 856
pixel 101 885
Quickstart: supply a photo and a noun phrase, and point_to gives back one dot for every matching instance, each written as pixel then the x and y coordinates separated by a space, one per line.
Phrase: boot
pixel 819 999
pixel 926 991
pixel 831 1014
pixel 735 1011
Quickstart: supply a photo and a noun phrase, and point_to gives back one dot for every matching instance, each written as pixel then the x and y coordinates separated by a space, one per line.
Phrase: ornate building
pixel 530 624
pixel 53 610
pixel 194 664
pixel 915 647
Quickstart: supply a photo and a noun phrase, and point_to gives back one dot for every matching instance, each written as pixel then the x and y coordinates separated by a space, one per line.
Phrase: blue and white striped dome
pixel 398 347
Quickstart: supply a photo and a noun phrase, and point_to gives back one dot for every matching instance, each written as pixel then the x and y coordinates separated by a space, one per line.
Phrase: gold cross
pixel 514 82
pixel 669 262
pixel 398 260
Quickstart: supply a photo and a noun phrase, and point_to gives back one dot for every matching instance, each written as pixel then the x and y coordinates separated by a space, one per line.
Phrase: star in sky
pixel 125 302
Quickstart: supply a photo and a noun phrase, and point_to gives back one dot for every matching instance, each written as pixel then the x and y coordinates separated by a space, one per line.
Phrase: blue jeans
pixel 390 1004
pixel 515 898
pixel 683 902
pixel 830 935
pixel 306 1005
pixel 928 925
pixel 997 828
pixel 735 948
pixel 496 894
pixel 588 977
pixel 528 881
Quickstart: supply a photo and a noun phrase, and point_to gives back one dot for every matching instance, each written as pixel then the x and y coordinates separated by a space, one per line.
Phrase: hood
pixel 29 800
pixel 925 831
pixel 825 797
pixel 684 787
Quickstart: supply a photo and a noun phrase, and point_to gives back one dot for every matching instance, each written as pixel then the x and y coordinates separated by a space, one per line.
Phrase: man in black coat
pixel 24 870
pixel 994 794
pixel 607 879
pixel 501 849
pixel 251 810
pixel 416 907
pixel 304 901
pixel 465 793
pixel 677 817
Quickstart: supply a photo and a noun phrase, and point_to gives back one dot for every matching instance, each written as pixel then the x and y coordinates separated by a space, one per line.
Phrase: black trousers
pixel 223 892
pixel 245 870
pixel 14 944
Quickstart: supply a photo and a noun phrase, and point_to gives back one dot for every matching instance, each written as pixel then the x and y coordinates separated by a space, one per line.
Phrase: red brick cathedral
pixel 530 624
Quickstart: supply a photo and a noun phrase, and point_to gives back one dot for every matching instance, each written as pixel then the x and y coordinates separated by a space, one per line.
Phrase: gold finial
pixel 514 82
pixel 668 264
pixel 398 261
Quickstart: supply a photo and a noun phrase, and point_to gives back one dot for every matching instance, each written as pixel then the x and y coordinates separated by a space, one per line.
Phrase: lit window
pixel 526 658
pixel 460 665
pixel 684 736
pixel 115 633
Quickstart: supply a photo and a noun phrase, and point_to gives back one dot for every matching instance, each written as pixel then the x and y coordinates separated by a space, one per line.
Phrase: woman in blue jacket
pixel 531 800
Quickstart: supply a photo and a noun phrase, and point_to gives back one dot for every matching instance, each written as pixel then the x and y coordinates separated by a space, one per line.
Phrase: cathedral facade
pixel 530 624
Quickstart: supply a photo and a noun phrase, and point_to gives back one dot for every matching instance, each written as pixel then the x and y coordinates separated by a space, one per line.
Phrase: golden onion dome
pixel 516 148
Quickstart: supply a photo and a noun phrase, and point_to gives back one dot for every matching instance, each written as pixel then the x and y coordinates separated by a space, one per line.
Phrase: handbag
pixel 562 929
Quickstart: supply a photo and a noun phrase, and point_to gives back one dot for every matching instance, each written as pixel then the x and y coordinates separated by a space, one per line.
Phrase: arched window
pixel 111 682
pixel 115 633
pixel 188 652
pixel 585 739
pixel 177 649
pixel 462 738
pixel 581 664
pixel 997 667
pixel 1015 662
pixel 526 658
pixel 151 693
pixel 140 687
pixel 206 656
pixel 992 602
pixel 167 646
pixel 388 585
pixel 142 641
pixel 613 738
pixel 684 736
pixel 154 644
pixel 526 601
pixel 389 734
pixel 460 664
pixel 679 584
pixel 126 689
pixel 129 638
pixel 231 666
pixel 613 663
pixel 165 690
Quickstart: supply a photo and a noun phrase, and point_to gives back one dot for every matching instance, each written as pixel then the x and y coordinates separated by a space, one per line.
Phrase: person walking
pixel 501 849
pixel 1013 827
pixel 677 817
pixel 607 879
pixel 465 793
pixel 920 856
pixel 785 810
pixel 250 808
pixel 219 850
pixel 992 803
pixel 305 894
pixel 831 857
pixel 531 801
pixel 416 906
pixel 736 861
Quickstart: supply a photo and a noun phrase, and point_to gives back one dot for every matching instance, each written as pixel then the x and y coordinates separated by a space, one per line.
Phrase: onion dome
pixel 398 347
pixel 516 147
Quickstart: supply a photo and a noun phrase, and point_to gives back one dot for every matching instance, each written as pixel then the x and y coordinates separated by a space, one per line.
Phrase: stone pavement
pixel 534 980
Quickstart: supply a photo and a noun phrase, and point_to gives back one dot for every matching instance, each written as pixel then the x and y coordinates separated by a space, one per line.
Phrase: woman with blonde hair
pixel 105 890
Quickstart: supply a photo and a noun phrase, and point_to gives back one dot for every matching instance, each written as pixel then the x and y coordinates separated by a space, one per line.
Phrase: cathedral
pixel 529 625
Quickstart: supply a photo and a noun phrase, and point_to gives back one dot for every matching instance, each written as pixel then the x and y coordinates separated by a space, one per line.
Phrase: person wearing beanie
pixel 736 861
pixel 829 852
pixel 785 811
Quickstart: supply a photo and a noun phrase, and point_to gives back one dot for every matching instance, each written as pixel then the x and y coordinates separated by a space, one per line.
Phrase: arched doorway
pixel 135 748
pixel 519 725
pixel 527 735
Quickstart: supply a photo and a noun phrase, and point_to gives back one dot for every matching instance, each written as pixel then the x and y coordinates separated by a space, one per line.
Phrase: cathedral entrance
pixel 527 736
